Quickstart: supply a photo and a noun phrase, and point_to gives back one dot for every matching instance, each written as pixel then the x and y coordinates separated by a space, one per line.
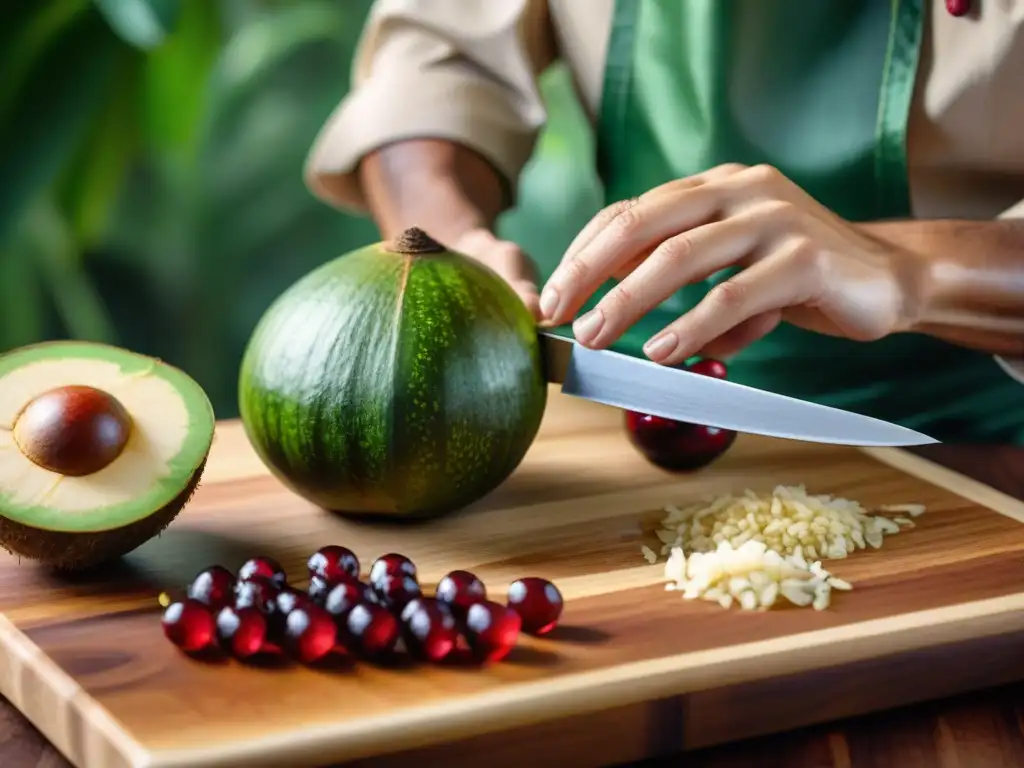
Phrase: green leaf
pixel 175 78
pixel 90 184
pixel 25 34
pixel 45 237
pixel 22 308
pixel 142 23
pixel 52 110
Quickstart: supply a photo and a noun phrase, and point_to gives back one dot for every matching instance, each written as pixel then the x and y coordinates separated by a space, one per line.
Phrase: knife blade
pixel 635 384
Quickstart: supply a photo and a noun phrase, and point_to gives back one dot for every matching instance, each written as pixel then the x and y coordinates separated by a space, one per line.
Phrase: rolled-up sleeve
pixel 461 70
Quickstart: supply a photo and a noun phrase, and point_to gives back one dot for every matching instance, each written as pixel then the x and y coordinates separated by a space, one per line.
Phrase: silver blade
pixel 671 393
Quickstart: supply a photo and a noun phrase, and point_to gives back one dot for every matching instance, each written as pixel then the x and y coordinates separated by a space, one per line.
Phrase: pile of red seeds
pixel 257 612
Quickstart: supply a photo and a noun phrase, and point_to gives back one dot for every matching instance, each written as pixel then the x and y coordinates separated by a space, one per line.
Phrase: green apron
pixel 822 92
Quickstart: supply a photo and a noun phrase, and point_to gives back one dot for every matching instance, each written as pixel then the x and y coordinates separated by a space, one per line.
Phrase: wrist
pixel 959 279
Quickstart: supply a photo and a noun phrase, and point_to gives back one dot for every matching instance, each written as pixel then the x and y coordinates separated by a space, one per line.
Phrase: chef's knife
pixel 640 385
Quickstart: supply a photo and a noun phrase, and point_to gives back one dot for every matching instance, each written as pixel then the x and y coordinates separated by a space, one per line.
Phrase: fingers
pixel 678 261
pixel 611 212
pixel 596 224
pixel 508 260
pixel 790 276
pixel 742 336
pixel 625 237
pixel 622 233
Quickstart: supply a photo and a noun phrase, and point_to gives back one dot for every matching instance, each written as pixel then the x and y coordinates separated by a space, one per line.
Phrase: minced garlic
pixel 751 575
pixel 751 549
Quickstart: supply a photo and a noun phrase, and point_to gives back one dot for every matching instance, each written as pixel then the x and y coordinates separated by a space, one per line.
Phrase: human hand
pixel 506 259
pixel 801 263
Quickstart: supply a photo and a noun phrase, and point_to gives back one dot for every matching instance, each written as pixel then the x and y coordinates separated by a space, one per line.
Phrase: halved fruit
pixel 100 449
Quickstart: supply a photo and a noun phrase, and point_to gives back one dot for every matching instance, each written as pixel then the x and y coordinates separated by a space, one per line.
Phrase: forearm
pixel 970 285
pixel 441 187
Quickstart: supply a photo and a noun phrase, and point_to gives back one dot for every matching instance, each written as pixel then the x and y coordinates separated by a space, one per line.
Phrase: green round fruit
pixel 400 379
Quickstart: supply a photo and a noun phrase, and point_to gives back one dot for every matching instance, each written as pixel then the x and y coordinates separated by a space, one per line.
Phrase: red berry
pixel 333 563
pixel 391 564
pixel 538 602
pixel 243 631
pixel 371 630
pixel 290 598
pixel 678 446
pixel 429 628
pixel 460 589
pixel 708 366
pixel 674 445
pixel 394 592
pixel 491 630
pixel 318 589
pixel 265 568
pixel 345 596
pixel 958 7
pixel 189 625
pixel 213 587
pixel 310 633
pixel 256 594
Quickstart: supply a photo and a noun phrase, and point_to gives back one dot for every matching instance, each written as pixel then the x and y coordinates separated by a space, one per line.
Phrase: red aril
pixel 290 598
pixel 189 625
pixel 460 589
pixel 256 594
pixel 262 568
pixel 708 366
pixel 678 446
pixel 394 592
pixel 343 597
pixel 310 633
pixel 242 631
pixel 213 587
pixel 371 630
pixel 392 564
pixel 491 630
pixel 429 629
pixel 538 602
pixel 333 563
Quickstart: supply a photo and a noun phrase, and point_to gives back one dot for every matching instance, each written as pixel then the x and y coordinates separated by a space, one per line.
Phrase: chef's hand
pixel 506 259
pixel 801 263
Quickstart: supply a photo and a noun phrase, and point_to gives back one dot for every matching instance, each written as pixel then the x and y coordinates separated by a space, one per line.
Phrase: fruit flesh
pixel 394 384
pixel 171 436
pixel 91 518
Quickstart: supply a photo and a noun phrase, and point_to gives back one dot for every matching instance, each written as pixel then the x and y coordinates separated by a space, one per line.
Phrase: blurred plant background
pixel 150 173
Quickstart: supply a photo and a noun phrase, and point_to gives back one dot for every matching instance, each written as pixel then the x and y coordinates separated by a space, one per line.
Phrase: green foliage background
pixel 151 189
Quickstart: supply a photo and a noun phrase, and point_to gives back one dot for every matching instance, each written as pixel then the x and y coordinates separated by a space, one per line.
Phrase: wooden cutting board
pixel 633 670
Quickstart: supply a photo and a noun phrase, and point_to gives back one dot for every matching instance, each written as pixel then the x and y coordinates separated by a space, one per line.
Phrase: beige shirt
pixel 467 70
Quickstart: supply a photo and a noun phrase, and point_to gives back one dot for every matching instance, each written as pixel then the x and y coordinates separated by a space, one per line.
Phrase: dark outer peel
pixel 78 551
pixel 380 442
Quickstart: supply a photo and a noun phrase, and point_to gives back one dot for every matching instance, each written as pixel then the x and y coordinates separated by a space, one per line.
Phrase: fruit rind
pixel 380 420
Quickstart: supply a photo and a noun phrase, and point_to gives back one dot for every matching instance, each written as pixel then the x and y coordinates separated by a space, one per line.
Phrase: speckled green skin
pixel 391 384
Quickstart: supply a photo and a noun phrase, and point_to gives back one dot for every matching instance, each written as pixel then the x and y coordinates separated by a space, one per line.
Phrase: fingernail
pixel 586 328
pixel 661 346
pixel 548 301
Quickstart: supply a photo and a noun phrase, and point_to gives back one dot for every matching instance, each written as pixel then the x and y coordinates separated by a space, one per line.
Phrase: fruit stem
pixel 414 241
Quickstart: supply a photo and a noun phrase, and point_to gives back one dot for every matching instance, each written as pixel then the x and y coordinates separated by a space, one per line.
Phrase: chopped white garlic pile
pixel 752 548
pixel 822 526
pixel 751 575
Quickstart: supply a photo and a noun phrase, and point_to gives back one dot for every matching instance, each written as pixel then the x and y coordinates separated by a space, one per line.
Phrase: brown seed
pixel 73 430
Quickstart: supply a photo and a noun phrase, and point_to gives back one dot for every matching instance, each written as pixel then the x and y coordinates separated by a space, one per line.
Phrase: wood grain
pixel 651 673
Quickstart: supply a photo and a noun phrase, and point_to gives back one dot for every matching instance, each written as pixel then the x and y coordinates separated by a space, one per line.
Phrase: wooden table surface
pixel 983 730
